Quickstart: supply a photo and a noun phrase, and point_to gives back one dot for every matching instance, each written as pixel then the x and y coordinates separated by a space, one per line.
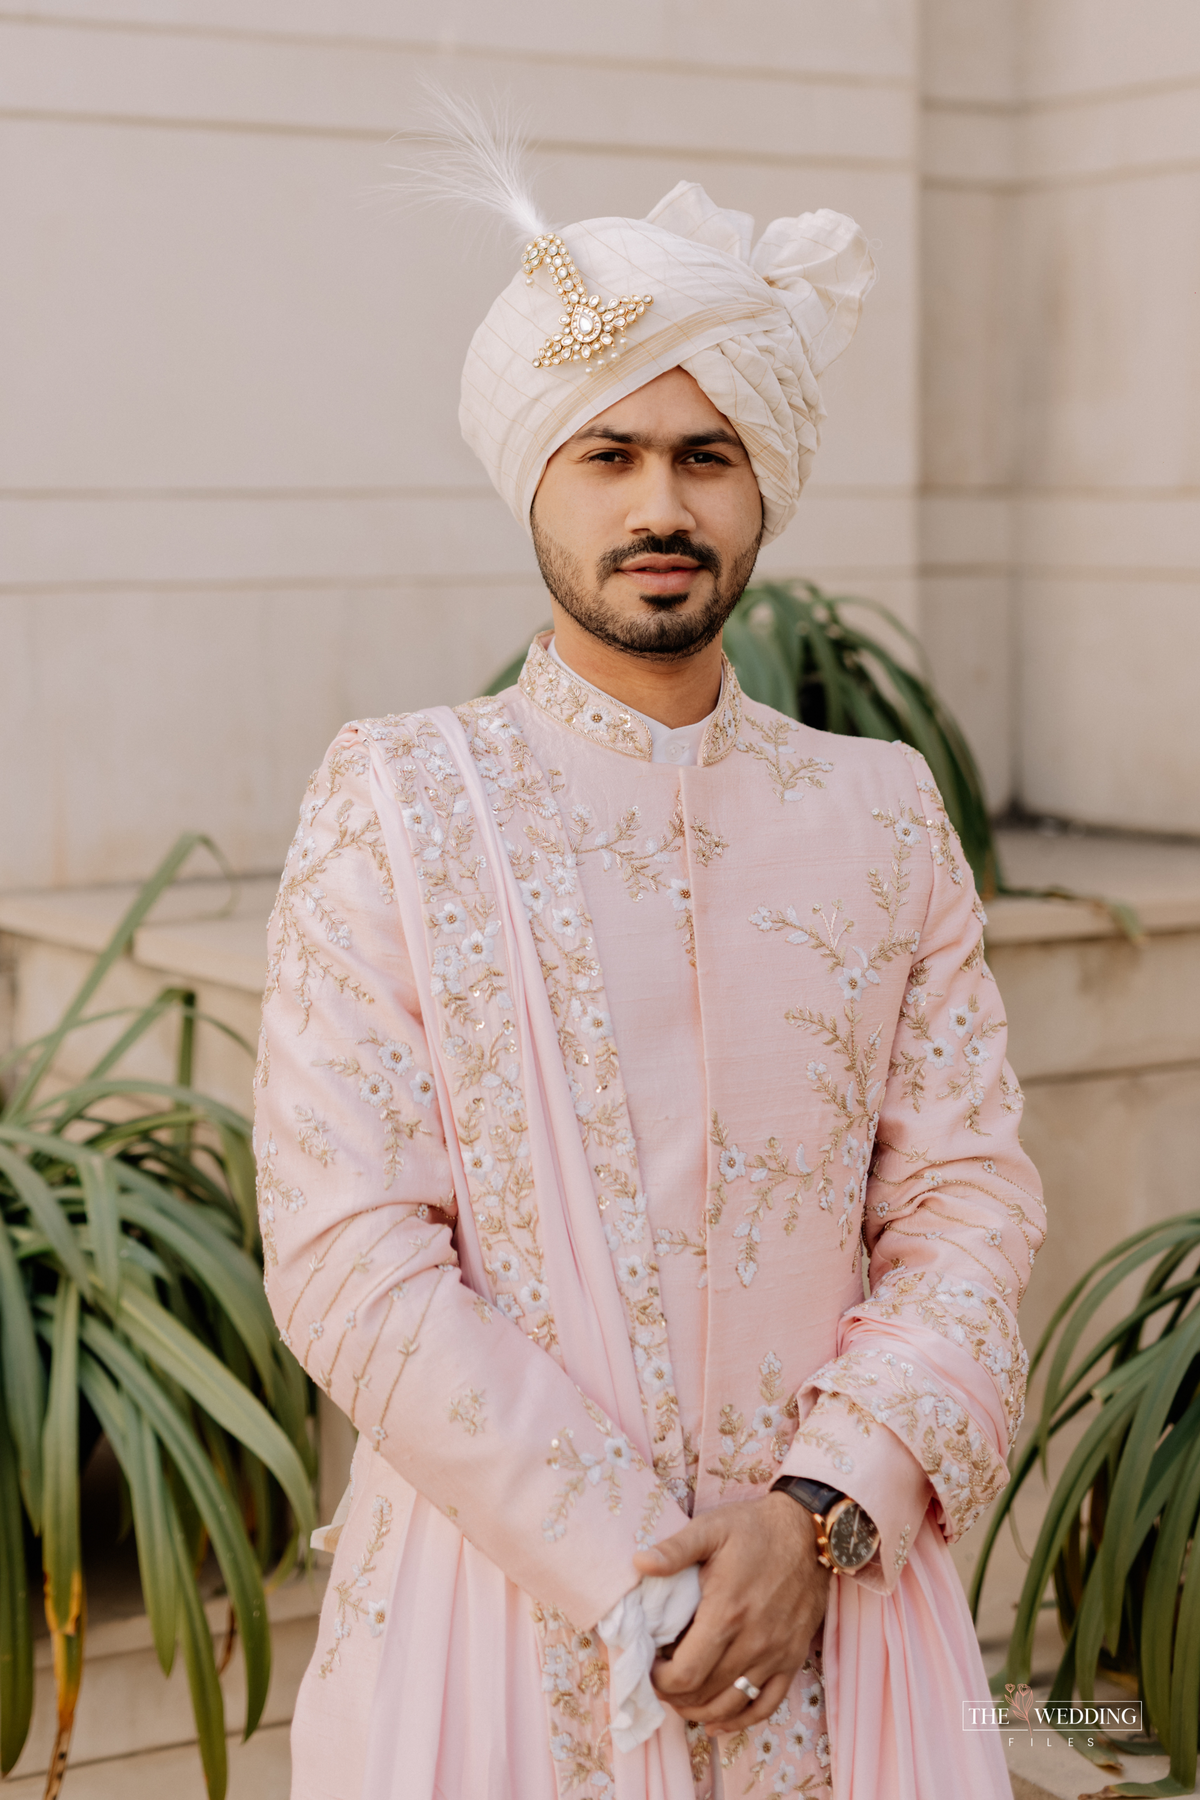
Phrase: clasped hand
pixel 763 1595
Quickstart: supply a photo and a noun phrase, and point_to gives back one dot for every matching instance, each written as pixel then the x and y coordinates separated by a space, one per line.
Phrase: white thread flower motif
pixel 535 1297
pixel 595 1021
pixel 477 945
pixel 960 1020
pixel 535 894
pixel 732 1163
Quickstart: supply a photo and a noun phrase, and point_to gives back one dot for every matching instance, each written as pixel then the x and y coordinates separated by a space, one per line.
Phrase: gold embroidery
pixel 467 1409
pixel 602 720
pixel 351 1603
pixel 790 778
pixel 751 1452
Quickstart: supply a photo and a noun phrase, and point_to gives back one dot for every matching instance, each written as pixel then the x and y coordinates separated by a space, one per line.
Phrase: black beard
pixel 667 635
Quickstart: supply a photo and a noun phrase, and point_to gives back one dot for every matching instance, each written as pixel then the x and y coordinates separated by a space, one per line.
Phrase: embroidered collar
pixel 603 720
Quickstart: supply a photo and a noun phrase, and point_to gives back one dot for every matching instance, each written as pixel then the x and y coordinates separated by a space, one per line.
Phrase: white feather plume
pixel 469 158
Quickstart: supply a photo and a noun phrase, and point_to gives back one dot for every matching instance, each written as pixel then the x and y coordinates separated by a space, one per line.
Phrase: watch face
pixel 852 1537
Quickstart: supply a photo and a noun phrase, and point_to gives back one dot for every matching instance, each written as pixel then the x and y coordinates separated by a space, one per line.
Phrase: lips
pixel 661 575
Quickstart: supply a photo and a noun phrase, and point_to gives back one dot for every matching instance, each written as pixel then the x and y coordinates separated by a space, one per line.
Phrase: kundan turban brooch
pixel 753 323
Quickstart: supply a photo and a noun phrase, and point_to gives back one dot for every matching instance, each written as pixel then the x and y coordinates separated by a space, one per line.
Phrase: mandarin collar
pixel 596 716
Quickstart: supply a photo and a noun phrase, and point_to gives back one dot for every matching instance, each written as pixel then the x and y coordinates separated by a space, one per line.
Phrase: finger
pixel 690 1670
pixel 773 1692
pixel 694 1544
pixel 732 1705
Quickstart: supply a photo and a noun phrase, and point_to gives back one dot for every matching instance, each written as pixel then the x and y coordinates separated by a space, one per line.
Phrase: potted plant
pixel 131 1302
pixel 1117 1540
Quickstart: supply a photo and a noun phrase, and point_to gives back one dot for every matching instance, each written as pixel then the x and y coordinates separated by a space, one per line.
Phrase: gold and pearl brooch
pixel 591 331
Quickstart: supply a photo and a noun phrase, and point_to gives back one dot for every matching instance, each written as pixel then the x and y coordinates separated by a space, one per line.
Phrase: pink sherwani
pixel 766 981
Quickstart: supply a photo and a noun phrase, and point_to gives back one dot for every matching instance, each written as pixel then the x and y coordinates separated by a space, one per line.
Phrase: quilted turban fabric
pixel 754 327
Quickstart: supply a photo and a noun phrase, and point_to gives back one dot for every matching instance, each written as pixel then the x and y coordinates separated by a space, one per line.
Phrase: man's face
pixel 647 522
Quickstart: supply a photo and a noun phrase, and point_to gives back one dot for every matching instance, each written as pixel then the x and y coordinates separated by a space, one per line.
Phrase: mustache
pixel 676 545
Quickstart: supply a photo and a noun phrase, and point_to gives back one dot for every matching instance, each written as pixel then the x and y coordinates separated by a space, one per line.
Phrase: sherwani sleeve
pixel 927 1391
pixel 358 1223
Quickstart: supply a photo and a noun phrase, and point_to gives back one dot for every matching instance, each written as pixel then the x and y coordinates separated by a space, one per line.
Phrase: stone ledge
pixel 1045 1768
pixel 260 1769
pixel 128 1708
pixel 188 936
pixel 1159 878
pixel 298 1598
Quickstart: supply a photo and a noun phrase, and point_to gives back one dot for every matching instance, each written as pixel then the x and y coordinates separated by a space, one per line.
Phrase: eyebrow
pixel 695 440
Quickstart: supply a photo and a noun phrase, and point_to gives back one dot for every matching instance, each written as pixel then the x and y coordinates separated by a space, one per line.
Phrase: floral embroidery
pixel 768 1174
pixel 809 1433
pixel 351 1603
pixel 574 1681
pixel 789 1754
pixel 901 1554
pixel 586 1468
pixel 467 1409
pixel 273 1192
pixel 751 1450
pixel 853 1109
pixel 879 1387
pixel 375 1089
pixel 311 1135
pixel 788 778
pixel 303 870
pixel 545 849
pixel 594 715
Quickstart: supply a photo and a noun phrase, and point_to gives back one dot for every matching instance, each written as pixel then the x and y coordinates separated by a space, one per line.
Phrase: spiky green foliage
pixel 1117 1535
pixel 131 1302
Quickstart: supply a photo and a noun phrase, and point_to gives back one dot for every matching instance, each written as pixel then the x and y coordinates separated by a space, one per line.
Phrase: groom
pixel 638 1160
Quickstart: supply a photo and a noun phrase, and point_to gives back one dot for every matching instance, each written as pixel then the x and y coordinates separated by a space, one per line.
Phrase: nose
pixel 657 504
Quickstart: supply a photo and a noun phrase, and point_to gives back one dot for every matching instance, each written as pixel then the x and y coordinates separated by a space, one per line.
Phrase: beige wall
pixel 1061 381
pixel 234 507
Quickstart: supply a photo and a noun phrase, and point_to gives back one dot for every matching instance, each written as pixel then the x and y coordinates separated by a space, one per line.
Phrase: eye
pixel 707 459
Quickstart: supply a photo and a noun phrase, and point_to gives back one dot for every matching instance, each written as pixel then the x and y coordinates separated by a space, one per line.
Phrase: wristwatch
pixel 846 1534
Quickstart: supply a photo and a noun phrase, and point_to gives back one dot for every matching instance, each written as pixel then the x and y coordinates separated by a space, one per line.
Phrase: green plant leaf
pixel 61 1551
pixel 214 1504
pixel 23 1379
pixel 99 1183
pixel 116 947
pixel 208 1703
pixel 180 1354
pixel 47 1214
pixel 242 1177
pixel 136 1449
pixel 16 1634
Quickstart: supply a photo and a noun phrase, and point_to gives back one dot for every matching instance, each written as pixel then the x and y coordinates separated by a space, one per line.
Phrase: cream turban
pixel 754 328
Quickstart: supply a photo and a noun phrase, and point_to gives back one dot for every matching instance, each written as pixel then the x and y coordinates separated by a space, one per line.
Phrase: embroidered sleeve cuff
pixel 878 1472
